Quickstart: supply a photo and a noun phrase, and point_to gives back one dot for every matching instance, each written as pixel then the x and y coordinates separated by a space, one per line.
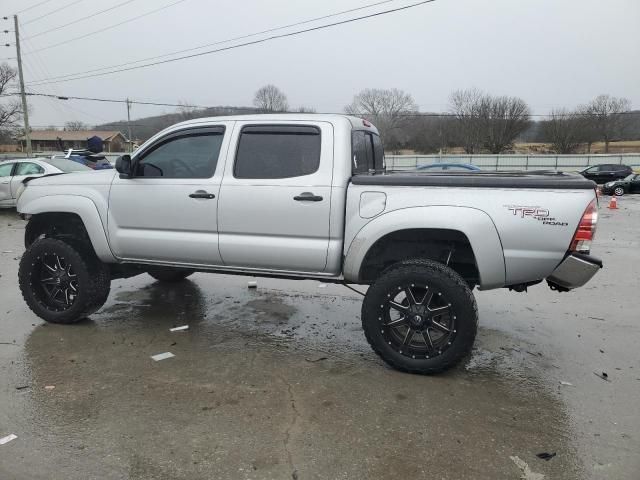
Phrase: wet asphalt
pixel 278 382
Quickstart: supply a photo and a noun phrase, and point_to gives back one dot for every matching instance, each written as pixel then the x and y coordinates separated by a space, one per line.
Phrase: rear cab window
pixel 367 153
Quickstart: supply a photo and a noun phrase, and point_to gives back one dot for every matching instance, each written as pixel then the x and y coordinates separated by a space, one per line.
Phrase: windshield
pixel 67 166
pixel 630 177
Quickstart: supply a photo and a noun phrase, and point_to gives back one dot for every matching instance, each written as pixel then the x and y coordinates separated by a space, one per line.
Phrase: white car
pixel 13 172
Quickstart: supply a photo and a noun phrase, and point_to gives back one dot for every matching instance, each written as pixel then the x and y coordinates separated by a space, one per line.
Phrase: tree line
pixel 477 121
pixel 474 121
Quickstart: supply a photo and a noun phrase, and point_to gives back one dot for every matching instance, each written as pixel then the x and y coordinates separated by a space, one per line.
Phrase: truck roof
pixel 356 123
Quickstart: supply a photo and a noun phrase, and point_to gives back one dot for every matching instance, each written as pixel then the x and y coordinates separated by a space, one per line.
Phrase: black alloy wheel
pixel 420 316
pixel 62 281
pixel 417 321
pixel 56 282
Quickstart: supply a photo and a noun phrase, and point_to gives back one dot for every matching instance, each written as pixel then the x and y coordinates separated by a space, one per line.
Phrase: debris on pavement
pixel 322 285
pixel 602 375
pixel 179 329
pixel 22 387
pixel 315 359
pixel 7 439
pixel 162 356
pixel 252 284
pixel 49 387
pixel 566 384
pixel 527 473
pixel 546 455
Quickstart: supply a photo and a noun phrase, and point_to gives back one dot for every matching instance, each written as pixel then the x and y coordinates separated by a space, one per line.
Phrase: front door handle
pixel 307 197
pixel 202 194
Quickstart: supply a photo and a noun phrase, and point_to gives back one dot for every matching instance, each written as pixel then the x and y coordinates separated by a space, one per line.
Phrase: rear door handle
pixel 307 197
pixel 202 194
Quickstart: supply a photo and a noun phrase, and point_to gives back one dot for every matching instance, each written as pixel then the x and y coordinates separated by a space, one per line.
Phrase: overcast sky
pixel 551 53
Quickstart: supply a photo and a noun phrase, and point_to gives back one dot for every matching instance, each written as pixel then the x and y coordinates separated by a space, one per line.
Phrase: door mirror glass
pixel 123 166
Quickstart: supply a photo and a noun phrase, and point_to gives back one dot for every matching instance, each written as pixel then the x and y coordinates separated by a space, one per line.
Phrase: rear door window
pixel 277 151
pixel 27 168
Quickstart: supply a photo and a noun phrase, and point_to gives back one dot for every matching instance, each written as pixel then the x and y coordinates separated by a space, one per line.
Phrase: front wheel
pixel 420 316
pixel 62 282
pixel 618 191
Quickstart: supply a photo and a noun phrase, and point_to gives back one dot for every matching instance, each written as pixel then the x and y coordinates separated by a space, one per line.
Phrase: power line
pixel 82 19
pixel 51 12
pixel 211 44
pixel 106 100
pixel 32 7
pixel 104 29
pixel 254 42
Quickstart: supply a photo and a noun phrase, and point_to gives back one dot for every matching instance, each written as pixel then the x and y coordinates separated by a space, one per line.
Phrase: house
pixel 51 140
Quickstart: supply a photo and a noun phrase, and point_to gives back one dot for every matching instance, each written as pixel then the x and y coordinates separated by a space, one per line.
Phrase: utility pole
pixel 25 107
pixel 129 125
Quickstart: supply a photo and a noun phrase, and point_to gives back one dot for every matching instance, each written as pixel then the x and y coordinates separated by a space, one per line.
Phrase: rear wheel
pixel 62 282
pixel 420 316
pixel 169 275
pixel 618 191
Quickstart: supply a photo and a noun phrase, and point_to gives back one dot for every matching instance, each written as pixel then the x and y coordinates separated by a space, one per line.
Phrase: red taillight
pixel 586 229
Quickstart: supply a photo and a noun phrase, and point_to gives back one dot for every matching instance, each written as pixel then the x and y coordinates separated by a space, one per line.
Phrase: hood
pixel 95 177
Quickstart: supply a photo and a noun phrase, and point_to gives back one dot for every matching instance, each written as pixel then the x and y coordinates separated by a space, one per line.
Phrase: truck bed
pixel 533 179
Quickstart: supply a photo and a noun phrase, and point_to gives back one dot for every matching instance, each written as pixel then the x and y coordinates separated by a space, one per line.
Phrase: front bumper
pixel 574 271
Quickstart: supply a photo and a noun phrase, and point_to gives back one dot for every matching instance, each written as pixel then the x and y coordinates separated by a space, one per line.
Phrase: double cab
pixel 302 196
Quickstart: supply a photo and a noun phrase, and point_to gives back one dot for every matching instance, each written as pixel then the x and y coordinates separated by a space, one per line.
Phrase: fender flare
pixel 85 208
pixel 474 223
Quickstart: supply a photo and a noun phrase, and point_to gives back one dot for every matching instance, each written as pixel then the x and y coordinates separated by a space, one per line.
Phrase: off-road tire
pixel 93 280
pixel 169 275
pixel 443 280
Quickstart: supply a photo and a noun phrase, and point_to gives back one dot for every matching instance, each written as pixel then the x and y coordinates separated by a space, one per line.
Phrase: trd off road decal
pixel 537 213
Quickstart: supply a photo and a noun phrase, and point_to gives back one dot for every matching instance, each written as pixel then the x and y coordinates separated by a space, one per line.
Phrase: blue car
pixel 449 167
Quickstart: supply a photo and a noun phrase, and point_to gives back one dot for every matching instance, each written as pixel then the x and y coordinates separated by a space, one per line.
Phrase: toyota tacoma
pixel 302 196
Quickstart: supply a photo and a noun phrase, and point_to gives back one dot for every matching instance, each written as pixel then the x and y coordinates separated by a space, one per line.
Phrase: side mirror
pixel 123 166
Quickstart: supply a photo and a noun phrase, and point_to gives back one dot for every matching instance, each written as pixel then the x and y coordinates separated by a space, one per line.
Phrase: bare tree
pixel 564 130
pixel 271 99
pixel 503 119
pixel 387 109
pixel 75 126
pixel 303 109
pixel 491 122
pixel 465 105
pixel 607 117
pixel 11 111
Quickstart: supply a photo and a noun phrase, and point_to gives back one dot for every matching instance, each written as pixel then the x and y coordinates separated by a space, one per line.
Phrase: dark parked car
pixel 606 172
pixel 449 167
pixel 631 184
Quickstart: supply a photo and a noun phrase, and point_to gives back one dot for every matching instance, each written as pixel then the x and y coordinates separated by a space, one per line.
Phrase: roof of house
pixel 78 135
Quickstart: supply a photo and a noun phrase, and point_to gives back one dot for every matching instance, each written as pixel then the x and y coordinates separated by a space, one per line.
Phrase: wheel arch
pixel 428 232
pixel 73 214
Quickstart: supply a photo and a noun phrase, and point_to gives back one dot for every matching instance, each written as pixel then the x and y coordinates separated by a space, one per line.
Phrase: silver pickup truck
pixel 306 197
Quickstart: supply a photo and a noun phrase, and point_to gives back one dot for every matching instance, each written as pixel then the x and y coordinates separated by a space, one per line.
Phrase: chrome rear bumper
pixel 574 271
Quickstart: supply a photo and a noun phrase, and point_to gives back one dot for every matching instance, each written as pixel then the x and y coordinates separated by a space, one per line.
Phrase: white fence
pixel 513 162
